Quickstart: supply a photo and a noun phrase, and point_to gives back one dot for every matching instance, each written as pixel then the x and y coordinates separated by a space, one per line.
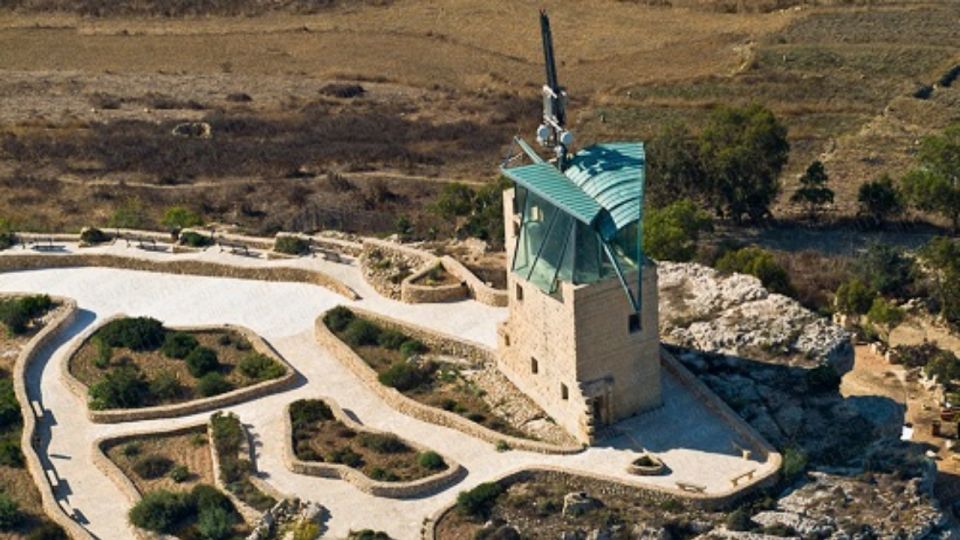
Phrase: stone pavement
pixel 696 446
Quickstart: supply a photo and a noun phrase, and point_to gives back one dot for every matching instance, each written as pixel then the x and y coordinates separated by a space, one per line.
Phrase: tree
pixel 885 269
pixel 674 168
pixel 854 297
pixel 179 217
pixel 743 151
pixel 671 233
pixel 934 186
pixel 880 200
pixel 943 256
pixel 813 191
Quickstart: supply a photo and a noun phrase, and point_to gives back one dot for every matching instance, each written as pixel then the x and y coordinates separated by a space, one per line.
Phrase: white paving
pixel 696 446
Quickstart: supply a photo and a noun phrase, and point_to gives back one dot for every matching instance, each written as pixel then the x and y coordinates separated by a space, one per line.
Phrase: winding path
pixel 696 446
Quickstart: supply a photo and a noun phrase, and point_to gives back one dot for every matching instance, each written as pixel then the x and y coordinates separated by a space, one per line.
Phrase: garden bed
pixel 131 363
pixel 202 513
pixel 410 367
pixel 175 461
pixel 235 467
pixel 325 442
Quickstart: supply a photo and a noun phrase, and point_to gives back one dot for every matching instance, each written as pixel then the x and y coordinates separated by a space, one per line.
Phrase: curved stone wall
pixel 397 490
pixel 113 416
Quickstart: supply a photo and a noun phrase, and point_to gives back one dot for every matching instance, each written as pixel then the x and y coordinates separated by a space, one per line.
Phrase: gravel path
pixel 694 445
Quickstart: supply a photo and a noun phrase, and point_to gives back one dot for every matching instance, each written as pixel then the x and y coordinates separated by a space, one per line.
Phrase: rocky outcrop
pixel 287 511
pixel 734 315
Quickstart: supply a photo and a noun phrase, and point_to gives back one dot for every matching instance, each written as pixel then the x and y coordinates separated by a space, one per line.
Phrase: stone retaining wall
pixel 396 490
pixel 53 510
pixel 412 292
pixel 250 514
pixel 247 393
pixel 346 356
pixel 17 262
pixel 479 291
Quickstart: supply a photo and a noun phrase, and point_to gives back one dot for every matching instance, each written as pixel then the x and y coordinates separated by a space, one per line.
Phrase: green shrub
pixel 431 460
pixel 854 297
pixel 138 333
pixel 121 388
pixel 9 406
pixel 944 366
pixel 131 449
pixel 338 318
pixel 48 531
pixel 7 240
pixel 178 345
pixel 104 353
pixel 213 384
pixel 179 473
pixel 202 360
pixel 215 524
pixel 479 501
pixel 794 463
pixel 306 530
pixel 179 217
pixel 207 497
pixel 152 466
pixel 242 345
pixel 391 339
pixel 760 263
pixel 366 534
pixel 10 515
pixel 671 233
pixel 411 347
pixel 502 445
pixel 823 378
pixel 10 454
pixel 160 511
pixel 194 239
pixel 360 332
pixel 291 245
pixel 16 313
pixel 383 475
pixel 383 443
pixel 739 520
pixel 308 411
pixel 884 312
pixel 165 386
pixel 260 367
pixel 346 456
pixel 93 235
pixel 887 270
pixel 403 376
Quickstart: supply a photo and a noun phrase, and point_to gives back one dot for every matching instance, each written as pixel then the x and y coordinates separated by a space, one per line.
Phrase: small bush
pixel 383 475
pixel 165 386
pixel 104 353
pixel 152 466
pixel 121 388
pixel 854 297
pixel 383 443
pixel 207 497
pixel 93 236
pixel 403 376
pixel 338 318
pixel 391 339
pixel 739 520
pixel 260 367
pixel 793 465
pixel 10 454
pixel 343 90
pixel 179 473
pixel 10 515
pixel 199 439
pixel 131 449
pixel 17 313
pixel 137 334
pixel 48 531
pixel 160 511
pixel 360 332
pixel 179 217
pixel 242 345
pixel 178 345
pixel 431 460
pixel 884 312
pixel 291 245
pixel 213 384
pixel 215 524
pixel 367 534
pixel 760 263
pixel 502 446
pixel 307 411
pixel 195 239
pixel 9 406
pixel 201 361
pixel 306 530
pixel 478 502
pixel 346 456
pixel 411 347
pixel 7 240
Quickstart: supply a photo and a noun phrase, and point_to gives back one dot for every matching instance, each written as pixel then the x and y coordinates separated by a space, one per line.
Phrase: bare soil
pixel 189 449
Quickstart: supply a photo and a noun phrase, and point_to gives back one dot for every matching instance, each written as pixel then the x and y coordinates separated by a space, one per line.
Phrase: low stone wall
pixel 250 514
pixel 29 439
pixel 437 341
pixel 345 355
pixel 412 292
pixel 479 291
pixel 18 262
pixel 114 416
pixel 396 490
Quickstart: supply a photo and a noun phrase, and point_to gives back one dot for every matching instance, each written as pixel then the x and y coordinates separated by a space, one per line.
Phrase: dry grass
pixel 189 449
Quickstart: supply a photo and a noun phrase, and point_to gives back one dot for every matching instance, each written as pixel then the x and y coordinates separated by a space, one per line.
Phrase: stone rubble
pixel 287 511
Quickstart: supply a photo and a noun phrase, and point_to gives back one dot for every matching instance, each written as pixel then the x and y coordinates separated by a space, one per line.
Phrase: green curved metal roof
pixel 602 186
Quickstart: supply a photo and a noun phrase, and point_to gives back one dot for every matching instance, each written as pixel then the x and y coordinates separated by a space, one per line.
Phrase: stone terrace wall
pixel 397 490
pixel 17 262
pixel 480 291
pixel 412 292
pixel 114 416
pixel 343 353
pixel 29 439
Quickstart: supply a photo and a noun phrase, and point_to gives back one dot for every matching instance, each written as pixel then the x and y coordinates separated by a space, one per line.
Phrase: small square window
pixel 534 366
pixel 564 393
pixel 519 292
pixel 633 323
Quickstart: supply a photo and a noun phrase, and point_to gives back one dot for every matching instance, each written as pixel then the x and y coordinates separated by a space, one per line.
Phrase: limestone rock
pixel 578 503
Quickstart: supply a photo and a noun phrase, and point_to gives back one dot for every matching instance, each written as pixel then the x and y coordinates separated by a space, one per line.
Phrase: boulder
pixel 578 503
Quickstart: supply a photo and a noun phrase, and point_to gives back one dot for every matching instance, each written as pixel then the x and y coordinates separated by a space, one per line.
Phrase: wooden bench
pixel 236 249
pixel 692 488
pixel 48 245
pixel 748 475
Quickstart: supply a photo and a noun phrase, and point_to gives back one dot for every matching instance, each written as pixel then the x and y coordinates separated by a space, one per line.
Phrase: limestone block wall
pixel 478 290
pixel 396 490
pixel 412 292
pixel 112 416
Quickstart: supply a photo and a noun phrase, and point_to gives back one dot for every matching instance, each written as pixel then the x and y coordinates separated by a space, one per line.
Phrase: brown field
pixel 89 101
pixel 189 449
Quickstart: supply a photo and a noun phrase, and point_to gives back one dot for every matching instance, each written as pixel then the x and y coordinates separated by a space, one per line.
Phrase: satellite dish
pixel 566 138
pixel 543 134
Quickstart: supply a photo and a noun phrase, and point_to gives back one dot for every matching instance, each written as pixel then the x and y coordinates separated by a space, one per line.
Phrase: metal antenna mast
pixel 552 132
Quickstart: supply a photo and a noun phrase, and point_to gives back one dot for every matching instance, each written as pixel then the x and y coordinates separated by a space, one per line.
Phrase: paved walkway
pixel 694 444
